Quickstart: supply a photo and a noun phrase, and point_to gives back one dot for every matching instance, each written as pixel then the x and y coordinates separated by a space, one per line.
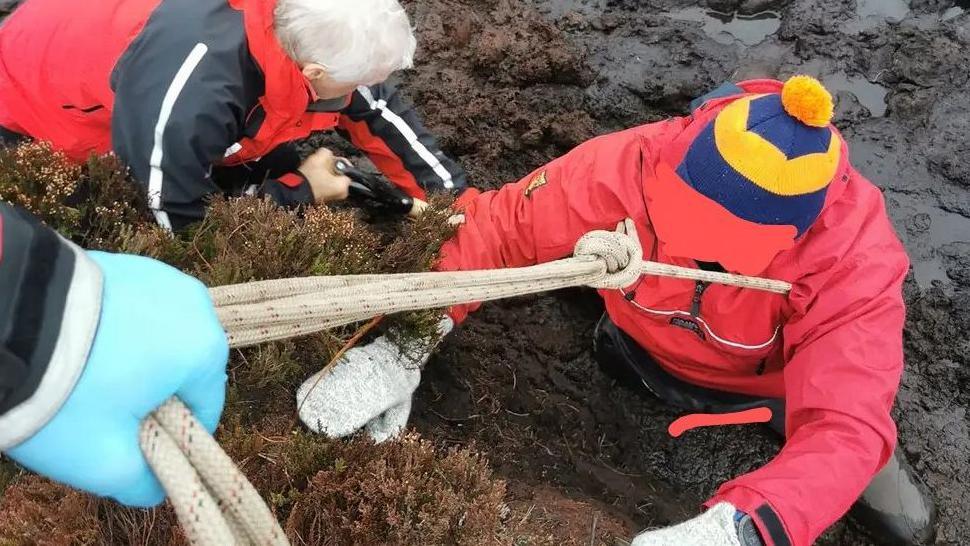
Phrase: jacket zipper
pixel 699 291
pixel 695 307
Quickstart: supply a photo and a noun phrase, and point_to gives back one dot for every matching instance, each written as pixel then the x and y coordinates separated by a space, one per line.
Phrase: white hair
pixel 357 42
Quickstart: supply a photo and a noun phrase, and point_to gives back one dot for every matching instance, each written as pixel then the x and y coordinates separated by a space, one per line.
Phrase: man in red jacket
pixel 758 182
pixel 205 96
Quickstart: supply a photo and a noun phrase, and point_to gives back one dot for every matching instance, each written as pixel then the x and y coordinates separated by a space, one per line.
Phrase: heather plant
pixel 325 491
pixel 40 180
pixel 37 511
pixel 403 493
pixel 8 473
pixel 92 204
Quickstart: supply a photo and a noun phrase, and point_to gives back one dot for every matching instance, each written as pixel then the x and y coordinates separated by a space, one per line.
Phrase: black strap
pixel 772 524
pixel 713 267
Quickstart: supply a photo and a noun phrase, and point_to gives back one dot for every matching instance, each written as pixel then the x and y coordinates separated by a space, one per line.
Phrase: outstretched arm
pixel 540 218
pixel 844 361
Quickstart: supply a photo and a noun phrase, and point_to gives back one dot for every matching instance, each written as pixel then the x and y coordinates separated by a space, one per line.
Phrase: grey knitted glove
pixel 370 387
pixel 716 527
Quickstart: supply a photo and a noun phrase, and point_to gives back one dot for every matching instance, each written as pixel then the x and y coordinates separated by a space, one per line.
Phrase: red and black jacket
pixel 176 87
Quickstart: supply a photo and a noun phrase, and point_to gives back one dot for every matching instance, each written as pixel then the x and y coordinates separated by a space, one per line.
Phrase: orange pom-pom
pixel 807 100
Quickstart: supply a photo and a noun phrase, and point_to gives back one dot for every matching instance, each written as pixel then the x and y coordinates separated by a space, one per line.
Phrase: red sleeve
pixel 844 357
pixel 540 218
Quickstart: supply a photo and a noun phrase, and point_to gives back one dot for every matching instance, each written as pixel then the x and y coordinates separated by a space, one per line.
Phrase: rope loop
pixel 619 251
pixel 215 503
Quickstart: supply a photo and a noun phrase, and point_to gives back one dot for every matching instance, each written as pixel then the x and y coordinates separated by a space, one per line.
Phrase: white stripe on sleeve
pixel 409 135
pixel 156 175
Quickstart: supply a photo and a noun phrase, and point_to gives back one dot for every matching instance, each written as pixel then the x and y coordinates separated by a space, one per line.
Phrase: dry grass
pixel 327 492
pixel 404 493
pixel 36 510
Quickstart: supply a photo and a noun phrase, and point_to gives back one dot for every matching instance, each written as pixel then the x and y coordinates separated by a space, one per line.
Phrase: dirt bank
pixel 510 84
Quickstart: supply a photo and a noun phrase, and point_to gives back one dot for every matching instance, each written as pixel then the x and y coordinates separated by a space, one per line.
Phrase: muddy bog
pixel 509 85
pixel 512 84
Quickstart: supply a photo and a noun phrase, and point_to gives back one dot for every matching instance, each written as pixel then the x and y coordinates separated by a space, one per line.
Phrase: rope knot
pixel 619 251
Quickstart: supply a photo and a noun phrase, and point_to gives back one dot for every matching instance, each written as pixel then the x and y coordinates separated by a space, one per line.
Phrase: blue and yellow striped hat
pixel 770 158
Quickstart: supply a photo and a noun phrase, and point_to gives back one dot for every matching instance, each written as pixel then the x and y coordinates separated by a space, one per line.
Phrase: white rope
pixel 277 309
pixel 214 502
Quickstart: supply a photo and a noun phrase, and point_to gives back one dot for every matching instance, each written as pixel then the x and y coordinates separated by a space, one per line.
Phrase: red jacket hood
pixel 288 93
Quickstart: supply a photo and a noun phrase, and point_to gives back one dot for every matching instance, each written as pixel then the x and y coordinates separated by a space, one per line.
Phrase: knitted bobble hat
pixel 768 158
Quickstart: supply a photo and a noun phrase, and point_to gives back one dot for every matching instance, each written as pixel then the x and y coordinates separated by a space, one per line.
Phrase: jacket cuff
pixel 457 314
pixel 766 518
pixel 79 324
pixel 290 190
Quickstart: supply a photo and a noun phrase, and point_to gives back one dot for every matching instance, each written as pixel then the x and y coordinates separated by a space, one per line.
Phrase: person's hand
pixel 325 183
pixel 417 208
pixel 370 387
pixel 158 336
pixel 719 526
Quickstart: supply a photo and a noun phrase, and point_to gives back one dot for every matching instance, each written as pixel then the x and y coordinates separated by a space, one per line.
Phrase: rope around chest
pixel 215 503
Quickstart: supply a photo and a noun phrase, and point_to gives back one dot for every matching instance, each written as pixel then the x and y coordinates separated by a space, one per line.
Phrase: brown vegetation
pixel 333 492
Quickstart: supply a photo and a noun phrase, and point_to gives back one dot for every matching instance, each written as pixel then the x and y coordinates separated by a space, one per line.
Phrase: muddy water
pixel 731 28
pixel 518 377
pixel 872 14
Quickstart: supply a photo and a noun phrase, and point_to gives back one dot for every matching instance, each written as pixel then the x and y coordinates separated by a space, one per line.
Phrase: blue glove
pixel 158 336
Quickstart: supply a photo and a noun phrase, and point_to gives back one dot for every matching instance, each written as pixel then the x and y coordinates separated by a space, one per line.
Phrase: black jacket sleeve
pixel 50 300
pixel 380 122
pixel 289 190
pixel 182 90
pixel 275 175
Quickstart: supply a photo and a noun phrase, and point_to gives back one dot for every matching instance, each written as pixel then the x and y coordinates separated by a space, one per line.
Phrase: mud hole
pixel 510 84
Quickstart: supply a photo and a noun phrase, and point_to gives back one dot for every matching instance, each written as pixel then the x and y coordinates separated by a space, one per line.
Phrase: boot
pixel 896 507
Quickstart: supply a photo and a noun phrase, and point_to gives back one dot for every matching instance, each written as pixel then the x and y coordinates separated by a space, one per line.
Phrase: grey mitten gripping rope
pixel 370 388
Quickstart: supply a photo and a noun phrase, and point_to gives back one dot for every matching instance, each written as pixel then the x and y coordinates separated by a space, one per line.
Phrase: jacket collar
pixel 282 75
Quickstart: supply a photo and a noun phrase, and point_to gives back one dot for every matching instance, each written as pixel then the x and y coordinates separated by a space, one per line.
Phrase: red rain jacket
pixel 177 86
pixel 832 348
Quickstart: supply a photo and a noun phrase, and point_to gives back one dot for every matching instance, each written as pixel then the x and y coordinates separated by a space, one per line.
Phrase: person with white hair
pixel 197 97
pixel 201 97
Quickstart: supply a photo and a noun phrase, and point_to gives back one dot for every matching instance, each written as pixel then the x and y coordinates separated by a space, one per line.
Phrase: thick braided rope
pixel 213 500
pixel 215 503
pixel 263 311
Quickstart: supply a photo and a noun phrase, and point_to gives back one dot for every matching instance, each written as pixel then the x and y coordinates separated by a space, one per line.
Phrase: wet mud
pixel 511 84
pixel 507 85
